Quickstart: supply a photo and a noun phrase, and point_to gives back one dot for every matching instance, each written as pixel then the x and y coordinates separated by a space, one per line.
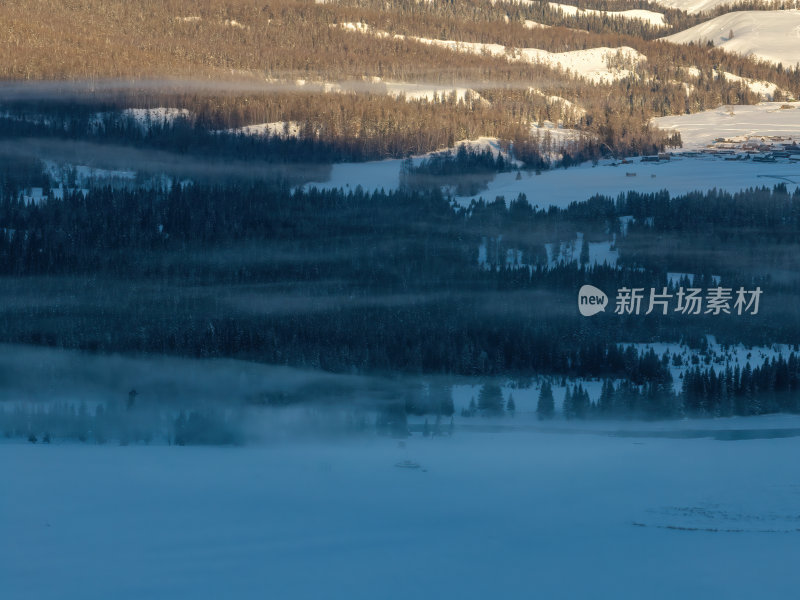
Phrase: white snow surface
pixel 371 176
pixel 282 129
pixel 145 117
pixel 765 89
pixel 487 515
pixel 417 91
pixel 481 144
pixel 560 187
pixel 736 356
pixel 385 174
pixel 556 136
pixel 648 16
pixel 567 104
pixel 765 119
pixel 410 91
pixel 603 252
pixel 699 6
pixel 156 115
pixel 84 175
pixel 534 25
pixel 591 64
pixel 333 517
pixel 567 252
pixel 769 35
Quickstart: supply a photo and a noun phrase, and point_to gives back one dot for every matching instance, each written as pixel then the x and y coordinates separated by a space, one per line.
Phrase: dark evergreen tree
pixel 545 408
pixel 584 257
pixel 490 400
pixel 511 406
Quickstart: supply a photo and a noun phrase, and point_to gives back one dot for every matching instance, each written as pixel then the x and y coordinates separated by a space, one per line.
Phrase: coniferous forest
pixel 409 299
pixel 392 282
pixel 201 239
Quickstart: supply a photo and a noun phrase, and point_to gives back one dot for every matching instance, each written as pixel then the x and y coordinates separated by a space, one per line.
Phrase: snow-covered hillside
pixel 766 119
pixel 769 35
pixel 764 89
pixel 385 174
pixel 598 65
pixel 560 187
pixel 648 16
pixel 414 91
pixel 143 117
pixel 698 6
pixel 282 129
pixel 592 64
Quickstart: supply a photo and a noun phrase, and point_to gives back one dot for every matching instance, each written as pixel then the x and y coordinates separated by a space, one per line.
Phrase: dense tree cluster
pixel 391 281
pixel 111 421
pixel 771 387
pixel 295 277
pixel 254 57
pixel 752 232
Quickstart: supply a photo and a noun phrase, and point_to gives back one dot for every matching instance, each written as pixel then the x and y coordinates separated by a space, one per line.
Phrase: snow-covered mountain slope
pixel 653 18
pixel 689 6
pixel 283 129
pixel 765 119
pixel 698 6
pixel 770 35
pixel 598 65
pixel 764 89
pixel 143 117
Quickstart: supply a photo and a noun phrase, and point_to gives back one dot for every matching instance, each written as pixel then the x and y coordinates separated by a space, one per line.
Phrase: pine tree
pixel 511 406
pixel 444 399
pixel 568 407
pixel 584 258
pixel 752 402
pixel 490 400
pixel 545 408
pixel 580 402
pixel 606 404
